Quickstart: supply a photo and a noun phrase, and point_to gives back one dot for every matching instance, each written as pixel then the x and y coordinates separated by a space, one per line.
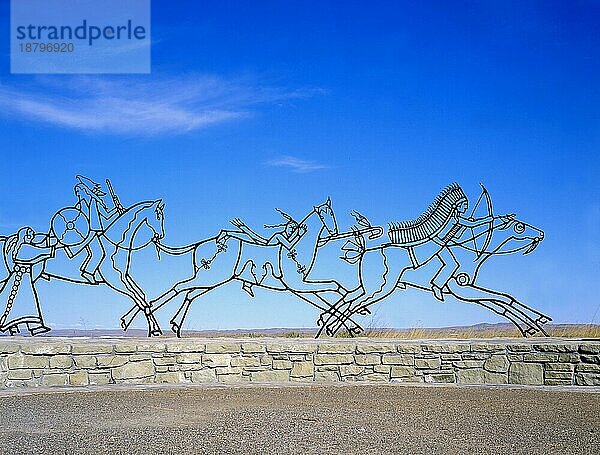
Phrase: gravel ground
pixel 336 419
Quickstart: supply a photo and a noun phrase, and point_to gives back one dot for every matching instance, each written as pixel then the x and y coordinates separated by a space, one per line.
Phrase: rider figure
pixel 90 202
pixel 288 237
pixel 454 230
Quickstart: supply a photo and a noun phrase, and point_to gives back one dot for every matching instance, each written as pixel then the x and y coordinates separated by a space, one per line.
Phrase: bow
pixel 490 225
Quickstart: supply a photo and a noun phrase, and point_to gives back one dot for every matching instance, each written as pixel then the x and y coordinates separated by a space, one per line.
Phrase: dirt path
pixel 269 420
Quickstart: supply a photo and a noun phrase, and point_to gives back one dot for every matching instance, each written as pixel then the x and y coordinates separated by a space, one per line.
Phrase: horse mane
pixel 431 222
pixel 139 207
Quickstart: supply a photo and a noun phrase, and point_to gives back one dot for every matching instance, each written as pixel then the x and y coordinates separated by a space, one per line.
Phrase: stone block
pixel 560 382
pixel 464 364
pixel 450 357
pixel 140 356
pixel 9 348
pixel 61 361
pixel 21 374
pixel 567 375
pixel 253 348
pixel 46 348
pixel 185 346
pixel 305 348
pixel 79 378
pixel 519 347
pixel 228 370
pixel 232 378
pixel 398 371
pixel 216 360
pixel 475 356
pixel 382 369
pixel 587 379
pixel 559 366
pixel 430 364
pixel 171 377
pixel 27 361
pixel 111 360
pixel 497 364
pixel 568 358
pixel 375 377
pixel 223 348
pixel 398 359
pixel 375 348
pixel 487 347
pixel 248 361
pixel 270 376
pixel 165 360
pixel 589 348
pixel 556 347
pixel 351 370
pixel 282 364
pixel 526 373
pixel 590 358
pixel 302 370
pixel 204 376
pixel 540 357
pixel 333 359
pixel 409 379
pixel 367 359
pixel 84 361
pixel 99 378
pixel 189 357
pixel 125 348
pixel 447 348
pixel 341 348
pixel 134 370
pixel 440 378
pixel 327 376
pixel 480 376
pixel 54 380
pixel 92 348
pixel 151 347
pixel 405 348
pixel 587 368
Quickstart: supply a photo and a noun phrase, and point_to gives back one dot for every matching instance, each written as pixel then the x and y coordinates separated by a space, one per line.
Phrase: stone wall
pixel 29 362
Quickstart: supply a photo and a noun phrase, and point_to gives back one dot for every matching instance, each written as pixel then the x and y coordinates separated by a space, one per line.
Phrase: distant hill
pixel 472 331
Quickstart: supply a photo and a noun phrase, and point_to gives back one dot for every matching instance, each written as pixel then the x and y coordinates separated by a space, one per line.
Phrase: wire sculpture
pixel 441 253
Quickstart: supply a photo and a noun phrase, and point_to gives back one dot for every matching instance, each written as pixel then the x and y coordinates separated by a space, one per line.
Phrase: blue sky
pixel 252 106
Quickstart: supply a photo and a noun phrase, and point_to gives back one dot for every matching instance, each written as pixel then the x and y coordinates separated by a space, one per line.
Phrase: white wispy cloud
pixel 296 164
pixel 139 105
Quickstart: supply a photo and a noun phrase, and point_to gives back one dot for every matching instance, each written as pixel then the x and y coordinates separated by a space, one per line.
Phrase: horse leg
pixel 497 305
pixel 385 271
pixel 179 318
pixel 153 325
pixel 117 282
pixel 533 314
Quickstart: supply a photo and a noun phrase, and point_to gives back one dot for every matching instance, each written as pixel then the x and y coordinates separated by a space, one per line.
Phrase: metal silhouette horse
pixel 441 253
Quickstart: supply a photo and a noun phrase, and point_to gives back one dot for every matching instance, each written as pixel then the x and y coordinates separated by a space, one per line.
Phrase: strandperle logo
pixel 80 36
pixel 85 32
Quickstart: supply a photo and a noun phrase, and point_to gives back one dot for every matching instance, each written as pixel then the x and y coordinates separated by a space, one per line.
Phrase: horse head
pixel 156 219
pixel 327 217
pixel 512 235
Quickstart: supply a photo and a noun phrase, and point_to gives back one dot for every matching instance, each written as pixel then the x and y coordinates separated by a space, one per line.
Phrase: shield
pixel 70 226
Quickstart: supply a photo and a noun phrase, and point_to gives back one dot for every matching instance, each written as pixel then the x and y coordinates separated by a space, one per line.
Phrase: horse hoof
pixel 531 331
